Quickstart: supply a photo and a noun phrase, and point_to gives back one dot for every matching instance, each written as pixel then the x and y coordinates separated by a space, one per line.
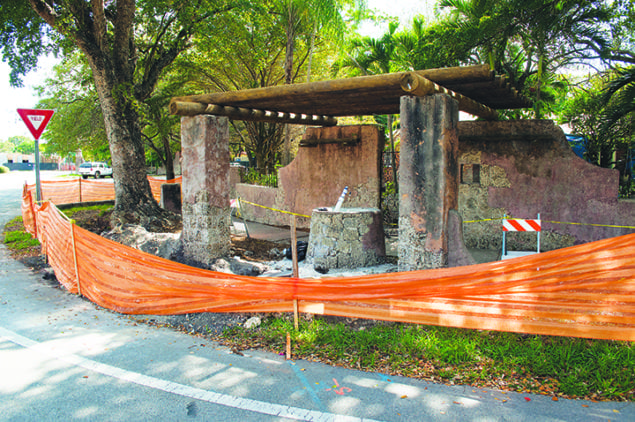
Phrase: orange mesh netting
pixel 155 185
pixel 79 190
pixel 581 291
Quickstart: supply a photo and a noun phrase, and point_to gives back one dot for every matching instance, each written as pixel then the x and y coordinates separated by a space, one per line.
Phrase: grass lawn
pixel 555 366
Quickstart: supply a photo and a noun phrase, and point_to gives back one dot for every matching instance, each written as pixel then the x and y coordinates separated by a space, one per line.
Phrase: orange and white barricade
pixel 520 225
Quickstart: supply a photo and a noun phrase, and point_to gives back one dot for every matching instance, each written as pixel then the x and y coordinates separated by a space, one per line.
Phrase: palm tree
pixel 620 95
pixel 308 17
pixel 371 56
pixel 551 34
pixel 483 23
pixel 560 33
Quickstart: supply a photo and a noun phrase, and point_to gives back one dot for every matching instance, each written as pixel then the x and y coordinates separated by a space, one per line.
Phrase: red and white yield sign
pixel 35 120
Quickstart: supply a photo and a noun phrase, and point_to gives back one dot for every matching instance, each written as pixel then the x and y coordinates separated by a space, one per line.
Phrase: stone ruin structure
pixel 348 238
pixel 448 169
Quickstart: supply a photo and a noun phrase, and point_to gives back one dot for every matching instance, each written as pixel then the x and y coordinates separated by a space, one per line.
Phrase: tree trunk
pixel 169 159
pixel 134 202
pixel 112 56
pixel 311 48
pixel 290 47
pixel 288 79
pixel 539 87
pixel 393 160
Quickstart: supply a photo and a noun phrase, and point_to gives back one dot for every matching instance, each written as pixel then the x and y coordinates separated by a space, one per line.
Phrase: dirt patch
pixel 252 249
pixel 96 221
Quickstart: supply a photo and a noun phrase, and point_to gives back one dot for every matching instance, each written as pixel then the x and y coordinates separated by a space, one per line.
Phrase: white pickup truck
pixel 95 169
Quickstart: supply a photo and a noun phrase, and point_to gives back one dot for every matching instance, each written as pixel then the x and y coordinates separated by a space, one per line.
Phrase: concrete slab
pixel 265 232
pixel 517 254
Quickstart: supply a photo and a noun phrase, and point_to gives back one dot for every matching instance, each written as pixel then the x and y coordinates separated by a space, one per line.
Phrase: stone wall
pixel 522 168
pixel 318 174
pixel 518 168
pixel 348 238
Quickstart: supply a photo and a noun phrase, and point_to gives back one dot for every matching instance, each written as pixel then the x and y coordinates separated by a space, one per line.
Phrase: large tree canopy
pixel 127 44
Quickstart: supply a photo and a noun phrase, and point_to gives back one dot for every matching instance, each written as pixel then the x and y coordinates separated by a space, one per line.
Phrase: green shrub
pixel 254 177
pixel 4 169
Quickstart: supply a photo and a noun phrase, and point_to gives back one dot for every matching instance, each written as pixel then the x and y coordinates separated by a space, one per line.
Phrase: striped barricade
pixel 521 225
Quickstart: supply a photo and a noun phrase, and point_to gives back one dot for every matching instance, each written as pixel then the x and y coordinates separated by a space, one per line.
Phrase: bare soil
pixel 248 248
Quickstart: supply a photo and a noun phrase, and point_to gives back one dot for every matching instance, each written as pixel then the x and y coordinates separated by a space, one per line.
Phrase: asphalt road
pixel 63 358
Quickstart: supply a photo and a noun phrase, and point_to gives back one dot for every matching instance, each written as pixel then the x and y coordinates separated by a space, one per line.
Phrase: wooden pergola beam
pixel 419 86
pixel 318 103
pixel 303 90
pixel 181 108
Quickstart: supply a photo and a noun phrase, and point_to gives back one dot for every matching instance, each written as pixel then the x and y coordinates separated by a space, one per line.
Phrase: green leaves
pixel 601 109
pixel 23 38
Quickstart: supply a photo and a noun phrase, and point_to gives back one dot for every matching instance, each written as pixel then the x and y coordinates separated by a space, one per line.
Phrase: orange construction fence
pixel 78 190
pixel 582 291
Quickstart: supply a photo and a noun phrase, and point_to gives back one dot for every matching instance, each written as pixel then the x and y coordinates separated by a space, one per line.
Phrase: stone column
pixel 428 179
pixel 205 191
pixel 348 238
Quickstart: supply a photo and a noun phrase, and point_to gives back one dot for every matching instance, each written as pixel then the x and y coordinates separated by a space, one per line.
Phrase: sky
pixel 13 98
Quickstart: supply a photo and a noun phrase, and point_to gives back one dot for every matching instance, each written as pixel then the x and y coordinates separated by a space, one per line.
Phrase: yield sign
pixel 35 120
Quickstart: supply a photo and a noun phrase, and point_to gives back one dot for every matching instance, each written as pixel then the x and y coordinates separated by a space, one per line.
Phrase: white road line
pixel 256 406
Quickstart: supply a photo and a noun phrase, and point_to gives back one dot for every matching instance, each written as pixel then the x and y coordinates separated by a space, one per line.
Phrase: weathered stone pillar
pixel 428 179
pixel 205 190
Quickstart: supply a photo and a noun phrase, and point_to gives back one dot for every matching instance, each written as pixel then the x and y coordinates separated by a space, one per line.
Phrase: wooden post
pixel 242 216
pixel 296 270
pixel 288 348
pixel 79 287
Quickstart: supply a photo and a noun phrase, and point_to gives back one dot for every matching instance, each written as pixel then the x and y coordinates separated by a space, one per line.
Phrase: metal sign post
pixel 36 121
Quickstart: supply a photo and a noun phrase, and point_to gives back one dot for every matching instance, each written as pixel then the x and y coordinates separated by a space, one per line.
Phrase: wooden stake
pixel 296 270
pixel 294 248
pixel 288 354
pixel 296 315
pixel 79 287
